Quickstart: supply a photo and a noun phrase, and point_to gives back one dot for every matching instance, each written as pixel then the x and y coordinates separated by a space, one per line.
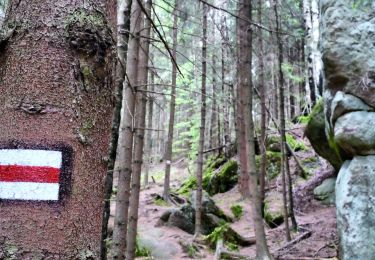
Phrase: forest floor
pixel 313 218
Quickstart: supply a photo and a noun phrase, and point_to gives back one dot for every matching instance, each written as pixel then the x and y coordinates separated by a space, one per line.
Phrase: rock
pixel 348 33
pixel 222 180
pixel 355 203
pixel 275 147
pixel 343 103
pixel 184 217
pixel 160 248
pixel 355 132
pixel 316 133
pixel 325 192
pixel 208 206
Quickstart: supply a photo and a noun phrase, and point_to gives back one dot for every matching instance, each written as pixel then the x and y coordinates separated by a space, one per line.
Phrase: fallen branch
pixel 298 239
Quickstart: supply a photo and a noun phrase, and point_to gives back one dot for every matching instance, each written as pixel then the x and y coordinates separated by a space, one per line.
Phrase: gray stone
pixel 348 35
pixel 355 203
pixel 343 103
pixel 355 133
pixel 325 192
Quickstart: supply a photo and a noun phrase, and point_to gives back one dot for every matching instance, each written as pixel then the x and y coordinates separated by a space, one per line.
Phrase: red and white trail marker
pixel 30 174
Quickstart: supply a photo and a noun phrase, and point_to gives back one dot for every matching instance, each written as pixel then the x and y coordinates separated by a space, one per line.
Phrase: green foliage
pixel 141 251
pixel 232 246
pixel 273 164
pixel 290 72
pixel 361 4
pixel 237 211
pixel 294 144
pixel 217 234
pixel 161 202
pixel 272 219
pixel 303 119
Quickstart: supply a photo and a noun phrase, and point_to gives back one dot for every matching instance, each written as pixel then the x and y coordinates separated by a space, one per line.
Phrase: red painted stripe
pixel 17 173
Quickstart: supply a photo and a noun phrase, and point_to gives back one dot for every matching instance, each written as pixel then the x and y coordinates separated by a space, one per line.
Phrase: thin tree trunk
pixel 282 122
pixel 123 25
pixel 198 208
pixel 263 91
pixel 124 158
pixel 149 140
pixel 225 94
pixel 168 153
pixel 140 119
pixel 214 139
pixel 245 83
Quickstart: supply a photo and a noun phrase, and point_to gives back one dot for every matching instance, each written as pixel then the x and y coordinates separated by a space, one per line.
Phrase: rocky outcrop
pixel 355 200
pixel 348 36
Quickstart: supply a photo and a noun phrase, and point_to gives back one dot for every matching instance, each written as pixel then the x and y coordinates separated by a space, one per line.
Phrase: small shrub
pixel 294 144
pixel 231 246
pixel 141 251
pixel 237 211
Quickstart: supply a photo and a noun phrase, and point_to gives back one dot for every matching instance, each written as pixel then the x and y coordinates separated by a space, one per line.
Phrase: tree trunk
pixel 224 87
pixel 168 153
pixel 282 122
pixel 140 118
pixel 124 158
pixel 263 91
pixel 50 104
pixel 245 83
pixel 149 140
pixel 198 208
pixel 123 26
pixel 215 114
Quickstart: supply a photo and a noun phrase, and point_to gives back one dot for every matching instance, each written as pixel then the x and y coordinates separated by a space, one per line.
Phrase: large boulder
pixel 325 192
pixel 355 203
pixel 316 133
pixel 184 217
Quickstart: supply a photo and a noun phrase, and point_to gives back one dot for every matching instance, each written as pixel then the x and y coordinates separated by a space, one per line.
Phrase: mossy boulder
pixel 220 175
pixel 325 192
pixel 316 133
pixel 273 164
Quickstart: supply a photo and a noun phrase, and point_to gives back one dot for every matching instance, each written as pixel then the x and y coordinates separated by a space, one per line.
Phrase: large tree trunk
pixel 55 84
pixel 124 156
pixel 168 153
pixel 198 208
pixel 245 83
pixel 140 119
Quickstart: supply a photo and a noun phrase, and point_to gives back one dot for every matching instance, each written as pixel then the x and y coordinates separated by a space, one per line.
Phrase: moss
pixel 322 142
pixel 160 202
pixel 303 119
pixel 237 211
pixel 295 144
pixel 273 219
pixel 141 251
pixel 209 173
pixel 223 180
pixel 273 164
pixel 83 17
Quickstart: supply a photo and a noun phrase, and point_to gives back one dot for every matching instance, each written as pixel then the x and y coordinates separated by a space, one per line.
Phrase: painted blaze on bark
pixel 55 88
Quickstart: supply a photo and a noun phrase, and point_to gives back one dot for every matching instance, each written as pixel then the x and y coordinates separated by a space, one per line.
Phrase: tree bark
pixel 198 208
pixel 245 83
pixel 123 26
pixel 263 91
pixel 124 158
pixel 140 119
pixel 49 103
pixel 168 153
pixel 282 122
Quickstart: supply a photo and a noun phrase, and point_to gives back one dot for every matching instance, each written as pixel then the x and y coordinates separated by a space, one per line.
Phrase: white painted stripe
pixel 30 157
pixel 29 191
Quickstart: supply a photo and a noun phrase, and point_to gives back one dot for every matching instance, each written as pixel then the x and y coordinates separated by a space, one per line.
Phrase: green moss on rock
pixel 316 133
